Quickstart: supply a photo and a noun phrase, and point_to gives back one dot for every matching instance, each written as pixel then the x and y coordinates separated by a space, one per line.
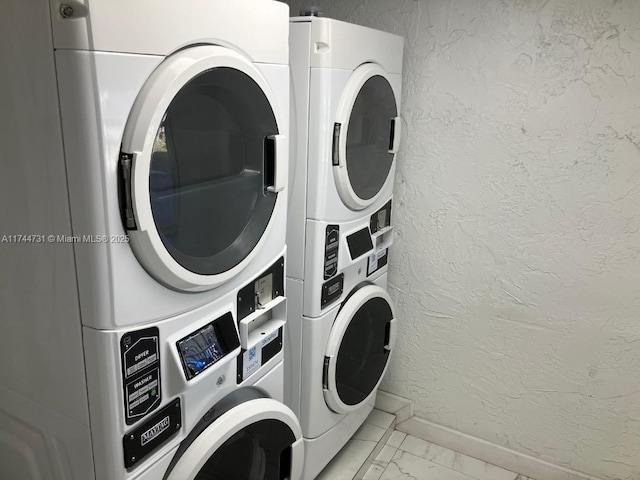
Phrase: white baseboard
pixel 488 452
pixel 401 407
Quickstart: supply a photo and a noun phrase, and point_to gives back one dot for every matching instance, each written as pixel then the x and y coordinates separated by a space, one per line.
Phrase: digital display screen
pixel 200 350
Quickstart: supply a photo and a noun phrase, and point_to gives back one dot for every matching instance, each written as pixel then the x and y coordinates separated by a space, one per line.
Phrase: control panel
pixel 140 354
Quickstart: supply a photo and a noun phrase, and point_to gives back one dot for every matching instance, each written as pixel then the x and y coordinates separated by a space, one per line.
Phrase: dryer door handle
pixel 390 335
pixel 293 469
pixel 276 159
pixel 394 135
pixel 335 147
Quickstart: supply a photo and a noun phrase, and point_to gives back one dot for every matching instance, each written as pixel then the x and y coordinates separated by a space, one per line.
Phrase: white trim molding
pixel 488 452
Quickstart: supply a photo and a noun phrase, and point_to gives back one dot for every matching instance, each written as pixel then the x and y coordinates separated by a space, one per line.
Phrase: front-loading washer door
pixel 259 439
pixel 358 349
pixel 203 161
pixel 366 136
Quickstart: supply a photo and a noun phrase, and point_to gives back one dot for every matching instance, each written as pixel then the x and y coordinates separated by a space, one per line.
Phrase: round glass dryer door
pixel 359 347
pixel 366 137
pixel 259 439
pixel 201 168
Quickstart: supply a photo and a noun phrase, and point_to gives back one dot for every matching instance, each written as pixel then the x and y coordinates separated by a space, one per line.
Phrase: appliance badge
pixel 154 431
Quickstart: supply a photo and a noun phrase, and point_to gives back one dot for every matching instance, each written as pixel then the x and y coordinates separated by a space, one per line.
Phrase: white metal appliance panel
pixel 343 45
pixel 257 29
pixel 104 378
pixel 96 99
pixel 323 200
pixel 316 417
pixel 149 111
pixel 300 77
pixel 354 270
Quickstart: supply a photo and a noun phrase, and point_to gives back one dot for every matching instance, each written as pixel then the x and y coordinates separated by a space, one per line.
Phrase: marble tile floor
pixel 405 457
pixel 369 439
pixel 379 452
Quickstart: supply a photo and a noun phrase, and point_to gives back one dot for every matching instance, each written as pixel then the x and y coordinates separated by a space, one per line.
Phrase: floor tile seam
pixel 381 465
pixel 375 452
pixel 394 461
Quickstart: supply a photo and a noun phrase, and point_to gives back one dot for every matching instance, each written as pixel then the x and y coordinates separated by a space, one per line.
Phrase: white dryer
pixel 158 359
pixel 175 125
pixel 345 120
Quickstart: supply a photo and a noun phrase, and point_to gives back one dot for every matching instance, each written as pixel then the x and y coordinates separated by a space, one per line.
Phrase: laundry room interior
pixel 515 263
pixel 332 240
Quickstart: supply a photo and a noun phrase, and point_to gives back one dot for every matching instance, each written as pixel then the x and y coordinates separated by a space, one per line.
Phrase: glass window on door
pixel 207 180
pixel 369 136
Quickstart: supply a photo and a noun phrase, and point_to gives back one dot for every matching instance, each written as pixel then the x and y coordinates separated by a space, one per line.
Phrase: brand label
pixel 152 434
pixel 331 290
pixel 154 431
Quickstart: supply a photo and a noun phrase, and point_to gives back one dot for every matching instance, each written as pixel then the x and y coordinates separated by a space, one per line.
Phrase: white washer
pixel 206 422
pixel 346 90
pixel 346 353
pixel 106 100
pixel 175 124
pixel 197 396
pixel 337 258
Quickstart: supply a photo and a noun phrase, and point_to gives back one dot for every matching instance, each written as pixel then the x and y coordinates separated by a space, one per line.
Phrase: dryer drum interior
pixel 370 137
pixel 366 136
pixel 207 176
pixel 198 194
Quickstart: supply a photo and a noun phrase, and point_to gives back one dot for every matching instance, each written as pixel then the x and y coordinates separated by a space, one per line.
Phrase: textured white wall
pixel 516 268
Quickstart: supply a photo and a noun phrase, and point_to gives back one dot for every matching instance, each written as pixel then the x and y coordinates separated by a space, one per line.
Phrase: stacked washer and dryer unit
pixel 162 358
pixel 346 89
